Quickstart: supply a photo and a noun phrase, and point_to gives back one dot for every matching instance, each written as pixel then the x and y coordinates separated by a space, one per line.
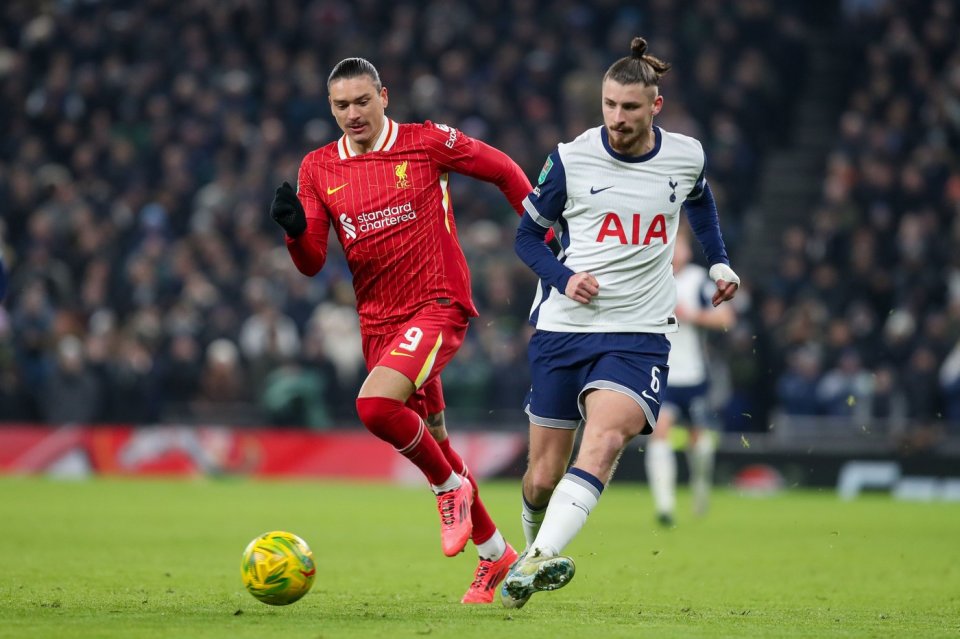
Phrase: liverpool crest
pixel 401 171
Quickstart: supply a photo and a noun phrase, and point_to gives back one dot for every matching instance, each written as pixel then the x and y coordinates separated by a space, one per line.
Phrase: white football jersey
pixel 616 217
pixel 688 361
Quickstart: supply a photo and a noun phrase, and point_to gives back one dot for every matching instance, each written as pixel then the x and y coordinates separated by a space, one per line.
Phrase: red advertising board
pixel 218 450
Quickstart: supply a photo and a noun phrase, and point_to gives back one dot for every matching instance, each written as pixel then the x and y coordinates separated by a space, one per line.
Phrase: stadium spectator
pixel 179 370
pixel 846 389
pixel 296 395
pixel 223 379
pixel 72 393
pixel 132 375
pixel 797 386
pixel 950 384
pixel 268 338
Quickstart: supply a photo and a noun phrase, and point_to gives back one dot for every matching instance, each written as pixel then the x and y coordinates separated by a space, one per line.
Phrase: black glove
pixel 287 211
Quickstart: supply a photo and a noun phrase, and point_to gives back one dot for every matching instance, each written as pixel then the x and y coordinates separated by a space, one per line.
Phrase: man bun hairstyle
pixel 639 67
pixel 354 68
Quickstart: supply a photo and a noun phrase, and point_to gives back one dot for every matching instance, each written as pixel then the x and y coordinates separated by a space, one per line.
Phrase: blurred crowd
pixel 144 140
pixel 863 316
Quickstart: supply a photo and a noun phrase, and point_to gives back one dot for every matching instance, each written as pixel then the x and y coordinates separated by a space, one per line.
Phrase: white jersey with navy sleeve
pixel 688 362
pixel 616 217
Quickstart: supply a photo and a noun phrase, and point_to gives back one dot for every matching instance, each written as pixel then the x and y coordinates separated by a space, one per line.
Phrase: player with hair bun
pixel 602 311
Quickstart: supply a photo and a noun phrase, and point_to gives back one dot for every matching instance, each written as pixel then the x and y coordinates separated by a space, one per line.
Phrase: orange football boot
pixel 456 525
pixel 488 576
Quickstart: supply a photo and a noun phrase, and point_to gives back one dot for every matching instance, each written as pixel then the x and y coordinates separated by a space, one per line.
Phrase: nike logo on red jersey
pixel 332 191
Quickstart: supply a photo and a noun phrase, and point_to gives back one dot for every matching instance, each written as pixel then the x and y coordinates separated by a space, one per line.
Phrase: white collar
pixel 385 141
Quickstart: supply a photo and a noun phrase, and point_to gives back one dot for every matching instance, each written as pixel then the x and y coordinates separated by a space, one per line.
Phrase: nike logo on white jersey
pixel 594 191
pixel 647 395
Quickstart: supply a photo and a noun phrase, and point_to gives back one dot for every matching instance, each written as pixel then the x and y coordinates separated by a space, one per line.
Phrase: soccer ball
pixel 278 568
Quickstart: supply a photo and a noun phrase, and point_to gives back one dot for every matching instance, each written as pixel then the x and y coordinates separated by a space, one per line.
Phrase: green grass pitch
pixel 144 558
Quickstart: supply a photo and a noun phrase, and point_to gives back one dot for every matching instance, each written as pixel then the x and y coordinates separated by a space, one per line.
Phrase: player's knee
pixel 378 413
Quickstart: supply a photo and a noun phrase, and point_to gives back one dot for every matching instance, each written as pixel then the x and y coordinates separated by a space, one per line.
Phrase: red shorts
pixel 420 350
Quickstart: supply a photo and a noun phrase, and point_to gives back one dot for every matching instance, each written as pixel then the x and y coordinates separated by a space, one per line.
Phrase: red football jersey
pixel 391 211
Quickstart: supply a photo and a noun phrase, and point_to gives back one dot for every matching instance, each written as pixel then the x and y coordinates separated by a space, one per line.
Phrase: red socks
pixel 394 423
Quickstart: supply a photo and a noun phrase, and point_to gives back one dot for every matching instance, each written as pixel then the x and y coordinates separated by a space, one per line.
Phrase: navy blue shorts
pixel 565 365
pixel 689 404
